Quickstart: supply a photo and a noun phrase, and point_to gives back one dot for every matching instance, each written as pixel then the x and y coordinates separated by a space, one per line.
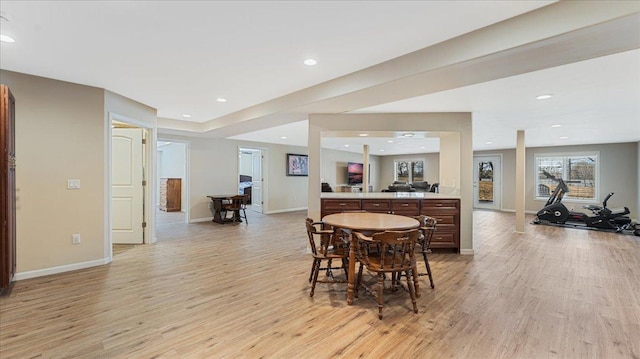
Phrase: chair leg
pixel 358 279
pixel 315 276
pixel 245 216
pixel 412 290
pixel 416 286
pixel 313 269
pixel 426 264
pixel 380 290
pixel 345 266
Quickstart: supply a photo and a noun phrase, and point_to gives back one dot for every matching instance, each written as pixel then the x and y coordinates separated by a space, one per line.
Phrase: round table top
pixel 367 221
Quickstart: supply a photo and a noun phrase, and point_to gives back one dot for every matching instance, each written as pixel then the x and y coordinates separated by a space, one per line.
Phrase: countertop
pixel 387 195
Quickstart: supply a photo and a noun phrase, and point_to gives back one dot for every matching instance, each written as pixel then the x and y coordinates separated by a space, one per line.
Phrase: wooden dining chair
pixel 427 228
pixel 325 247
pixel 238 206
pixel 396 255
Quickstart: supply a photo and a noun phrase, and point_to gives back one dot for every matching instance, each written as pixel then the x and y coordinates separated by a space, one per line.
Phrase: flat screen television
pixel 354 173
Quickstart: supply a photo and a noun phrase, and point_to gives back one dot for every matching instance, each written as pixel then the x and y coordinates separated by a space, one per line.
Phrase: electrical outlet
pixel 75 238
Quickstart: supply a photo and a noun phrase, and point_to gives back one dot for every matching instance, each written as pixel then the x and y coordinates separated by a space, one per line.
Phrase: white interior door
pixel 256 181
pixel 487 182
pixel 127 196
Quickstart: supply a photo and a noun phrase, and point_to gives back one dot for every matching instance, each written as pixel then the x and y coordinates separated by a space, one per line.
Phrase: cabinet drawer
pixel 341 205
pixel 405 205
pixel 443 240
pixel 376 205
pixel 444 219
pixel 441 203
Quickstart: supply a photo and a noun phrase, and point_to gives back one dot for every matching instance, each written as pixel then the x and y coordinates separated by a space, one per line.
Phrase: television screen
pixel 354 173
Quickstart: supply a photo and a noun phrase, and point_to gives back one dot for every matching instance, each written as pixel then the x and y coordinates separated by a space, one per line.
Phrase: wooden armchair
pixel 427 228
pixel 325 247
pixel 236 205
pixel 390 252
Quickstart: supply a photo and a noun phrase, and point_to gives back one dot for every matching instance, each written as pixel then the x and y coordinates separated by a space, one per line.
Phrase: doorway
pixel 172 169
pixel 128 191
pixel 251 176
pixel 487 182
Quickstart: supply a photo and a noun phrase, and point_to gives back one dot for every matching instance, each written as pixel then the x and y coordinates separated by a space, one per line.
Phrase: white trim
pixel 466 252
pixel 511 210
pixel 198 220
pixel 60 269
pixel 149 195
pixel 564 155
pixel 288 210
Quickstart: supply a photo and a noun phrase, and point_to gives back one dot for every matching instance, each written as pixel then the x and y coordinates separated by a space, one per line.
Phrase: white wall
pixel 60 135
pixel 213 169
pixel 334 167
pixel 619 173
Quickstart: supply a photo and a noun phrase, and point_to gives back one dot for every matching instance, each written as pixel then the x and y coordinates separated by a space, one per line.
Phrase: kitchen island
pixel 443 207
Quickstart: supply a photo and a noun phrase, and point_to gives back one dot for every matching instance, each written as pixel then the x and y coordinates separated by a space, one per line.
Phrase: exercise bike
pixel 602 218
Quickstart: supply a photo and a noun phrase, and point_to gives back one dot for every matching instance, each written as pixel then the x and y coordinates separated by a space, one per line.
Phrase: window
pixel 409 171
pixel 579 172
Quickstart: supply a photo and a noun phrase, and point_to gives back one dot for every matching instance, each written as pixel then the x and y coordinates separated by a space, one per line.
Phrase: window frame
pixel 410 162
pixel 565 156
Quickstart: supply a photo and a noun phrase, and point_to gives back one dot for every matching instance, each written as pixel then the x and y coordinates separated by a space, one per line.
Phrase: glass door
pixel 487 183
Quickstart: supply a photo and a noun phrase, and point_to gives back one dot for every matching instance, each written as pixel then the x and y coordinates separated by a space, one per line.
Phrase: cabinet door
pixel 376 206
pixel 405 207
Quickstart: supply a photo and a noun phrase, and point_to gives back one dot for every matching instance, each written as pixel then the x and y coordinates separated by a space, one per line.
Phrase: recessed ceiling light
pixel 389 141
pixel 220 99
pixel 346 145
pixel 563 137
pixel 422 147
pixel 310 62
pixel 186 116
pixel 488 142
pixel 544 97
pixel 381 150
pixel 5 38
pixel 409 134
pixel 283 137
pixel 556 126
pixel 363 135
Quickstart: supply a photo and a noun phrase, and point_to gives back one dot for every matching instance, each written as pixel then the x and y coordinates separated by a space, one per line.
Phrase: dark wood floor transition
pixel 220 291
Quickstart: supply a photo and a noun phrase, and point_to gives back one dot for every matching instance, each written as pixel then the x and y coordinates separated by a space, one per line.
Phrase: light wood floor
pixel 220 291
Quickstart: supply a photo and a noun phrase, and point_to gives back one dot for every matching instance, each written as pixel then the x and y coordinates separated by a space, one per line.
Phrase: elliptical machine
pixel 603 218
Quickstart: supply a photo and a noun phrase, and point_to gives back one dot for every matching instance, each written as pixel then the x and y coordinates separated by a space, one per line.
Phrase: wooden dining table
pixel 368 223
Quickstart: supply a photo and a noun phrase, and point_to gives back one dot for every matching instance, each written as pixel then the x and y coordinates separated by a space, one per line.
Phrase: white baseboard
pixel 61 269
pixel 198 220
pixel 514 211
pixel 466 252
pixel 287 210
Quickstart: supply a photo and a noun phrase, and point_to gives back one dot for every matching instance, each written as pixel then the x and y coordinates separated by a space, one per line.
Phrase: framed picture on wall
pixel 297 165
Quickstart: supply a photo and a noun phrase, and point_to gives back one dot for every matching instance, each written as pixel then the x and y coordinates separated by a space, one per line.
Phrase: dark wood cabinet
pixel 170 194
pixel 447 214
pixel 7 189
pixel 445 211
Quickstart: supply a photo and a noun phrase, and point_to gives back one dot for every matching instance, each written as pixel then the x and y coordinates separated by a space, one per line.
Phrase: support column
pixel 520 181
pixel 365 168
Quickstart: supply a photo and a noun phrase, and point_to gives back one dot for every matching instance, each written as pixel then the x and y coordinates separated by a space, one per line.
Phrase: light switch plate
pixel 73 184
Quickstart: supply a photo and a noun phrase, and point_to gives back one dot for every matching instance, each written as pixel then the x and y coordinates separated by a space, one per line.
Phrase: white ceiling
pixel 179 57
